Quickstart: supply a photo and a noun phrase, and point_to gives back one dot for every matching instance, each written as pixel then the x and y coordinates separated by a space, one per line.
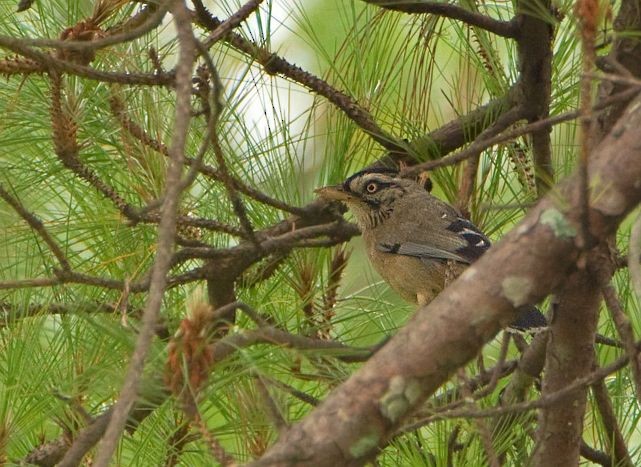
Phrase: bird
pixel 417 242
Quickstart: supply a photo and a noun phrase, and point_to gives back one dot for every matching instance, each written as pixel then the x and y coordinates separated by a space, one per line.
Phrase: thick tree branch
pixel 535 81
pixel 526 265
pixel 538 125
pixel 624 55
pixel 570 355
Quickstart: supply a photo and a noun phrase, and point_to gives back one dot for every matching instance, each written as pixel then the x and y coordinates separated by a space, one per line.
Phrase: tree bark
pixel 570 355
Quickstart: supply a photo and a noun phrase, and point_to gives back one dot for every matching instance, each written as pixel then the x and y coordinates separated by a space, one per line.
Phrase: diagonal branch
pixel 166 235
pixel 624 328
pixel 37 226
pixel 507 29
pixel 524 267
pixel 614 437
pixel 154 18
pixel 276 65
pixel 53 64
pixel 481 144
pixel 232 22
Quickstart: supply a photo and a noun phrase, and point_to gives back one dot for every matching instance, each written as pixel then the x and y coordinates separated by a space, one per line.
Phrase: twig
pixel 634 255
pixel 544 401
pixel 496 374
pixel 8 310
pixel 453 445
pixel 301 396
pixel 232 22
pixel 624 328
pixel 587 12
pixel 22 66
pixel 228 345
pixel 176 444
pixel 275 65
pixel 594 455
pixel 52 63
pixel 212 111
pixel 469 176
pixel 273 411
pixel 37 226
pixel 64 132
pixel 608 341
pixel 256 317
pixel 216 449
pixel 28 283
pixel 508 29
pixel 618 449
pixel 453 398
pixel 338 232
pixel 484 433
pixel 154 20
pixel 166 234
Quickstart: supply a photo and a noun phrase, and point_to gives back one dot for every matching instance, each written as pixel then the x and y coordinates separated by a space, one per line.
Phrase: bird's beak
pixel 333 192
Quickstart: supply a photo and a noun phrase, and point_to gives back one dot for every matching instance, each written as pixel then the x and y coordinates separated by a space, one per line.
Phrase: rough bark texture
pixel 535 84
pixel 570 355
pixel 530 262
pixel 624 55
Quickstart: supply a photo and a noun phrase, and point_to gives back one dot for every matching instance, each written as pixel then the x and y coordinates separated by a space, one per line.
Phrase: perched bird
pixel 416 242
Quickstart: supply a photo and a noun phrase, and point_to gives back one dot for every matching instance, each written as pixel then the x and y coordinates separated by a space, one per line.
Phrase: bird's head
pixel 370 194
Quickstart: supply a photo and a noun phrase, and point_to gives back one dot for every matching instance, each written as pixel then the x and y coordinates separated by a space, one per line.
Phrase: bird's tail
pixel 529 319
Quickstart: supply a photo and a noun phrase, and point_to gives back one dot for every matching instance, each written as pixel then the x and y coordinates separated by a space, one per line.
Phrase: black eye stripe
pixel 380 185
pixel 363 173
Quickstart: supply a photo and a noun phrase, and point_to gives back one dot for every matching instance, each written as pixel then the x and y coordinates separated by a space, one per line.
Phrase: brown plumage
pixel 416 242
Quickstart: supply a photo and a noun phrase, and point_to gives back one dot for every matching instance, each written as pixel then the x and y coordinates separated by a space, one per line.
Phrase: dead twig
pixel 166 235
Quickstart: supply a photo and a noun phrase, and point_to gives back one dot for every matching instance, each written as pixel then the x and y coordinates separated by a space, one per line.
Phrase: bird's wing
pixel 419 250
pixel 458 240
pixel 474 242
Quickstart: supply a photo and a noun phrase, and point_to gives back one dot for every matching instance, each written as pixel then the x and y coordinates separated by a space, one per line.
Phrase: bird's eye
pixel 371 187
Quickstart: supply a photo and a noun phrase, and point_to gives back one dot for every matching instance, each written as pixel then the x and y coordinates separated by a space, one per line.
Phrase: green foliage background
pixel 415 73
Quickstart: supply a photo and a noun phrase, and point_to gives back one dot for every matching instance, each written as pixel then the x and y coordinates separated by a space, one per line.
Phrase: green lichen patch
pixel 516 289
pixel 399 397
pixel 364 445
pixel 555 219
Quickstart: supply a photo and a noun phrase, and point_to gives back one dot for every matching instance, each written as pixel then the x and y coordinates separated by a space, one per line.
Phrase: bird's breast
pixel 415 280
